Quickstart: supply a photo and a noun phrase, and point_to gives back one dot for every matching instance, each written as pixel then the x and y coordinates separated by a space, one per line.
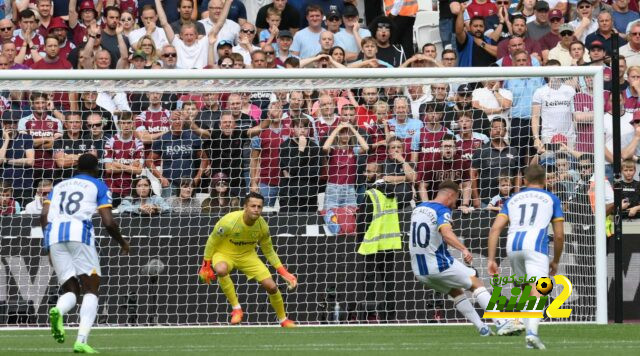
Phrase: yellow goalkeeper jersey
pixel 232 237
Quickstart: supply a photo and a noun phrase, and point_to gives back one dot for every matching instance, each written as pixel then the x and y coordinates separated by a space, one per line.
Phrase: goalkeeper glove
pixel 292 281
pixel 206 273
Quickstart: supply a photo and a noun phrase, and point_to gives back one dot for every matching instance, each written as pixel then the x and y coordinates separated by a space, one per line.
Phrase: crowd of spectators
pixel 160 150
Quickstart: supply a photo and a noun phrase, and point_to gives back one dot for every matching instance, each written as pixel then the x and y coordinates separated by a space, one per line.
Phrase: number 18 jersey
pixel 529 212
pixel 429 254
pixel 72 202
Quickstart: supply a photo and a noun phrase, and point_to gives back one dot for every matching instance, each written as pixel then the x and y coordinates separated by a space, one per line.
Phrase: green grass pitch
pixel 567 339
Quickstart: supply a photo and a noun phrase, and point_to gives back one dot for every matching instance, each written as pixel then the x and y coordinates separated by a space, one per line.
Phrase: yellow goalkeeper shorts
pixel 250 264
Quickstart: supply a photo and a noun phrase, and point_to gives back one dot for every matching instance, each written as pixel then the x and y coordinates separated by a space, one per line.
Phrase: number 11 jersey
pixel 72 202
pixel 529 212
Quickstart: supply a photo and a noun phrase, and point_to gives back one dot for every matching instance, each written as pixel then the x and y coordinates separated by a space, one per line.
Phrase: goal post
pixel 327 268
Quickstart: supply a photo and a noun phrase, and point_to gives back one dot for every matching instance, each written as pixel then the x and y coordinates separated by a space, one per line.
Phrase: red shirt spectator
pixel 52 60
pixel 583 102
pixel 366 117
pixel 481 8
pixel 155 120
pixel 432 173
pixel 123 152
pixel 343 164
pixel 268 144
pixel 44 129
pixel 366 112
pixel 131 6
pixel 20 41
pixel 468 141
pixel 59 28
pixel 327 120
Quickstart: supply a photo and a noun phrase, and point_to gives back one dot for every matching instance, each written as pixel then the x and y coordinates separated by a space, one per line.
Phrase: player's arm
pixel 45 212
pixel 112 228
pixel 206 273
pixel 558 244
pixel 266 245
pixel 494 234
pixel 452 240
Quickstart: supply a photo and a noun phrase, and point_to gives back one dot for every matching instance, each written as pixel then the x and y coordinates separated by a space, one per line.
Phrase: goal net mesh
pixel 179 154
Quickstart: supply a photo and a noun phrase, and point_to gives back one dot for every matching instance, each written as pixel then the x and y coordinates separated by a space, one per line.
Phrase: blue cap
pixel 224 43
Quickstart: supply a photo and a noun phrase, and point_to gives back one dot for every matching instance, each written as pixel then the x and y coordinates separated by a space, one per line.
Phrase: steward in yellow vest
pixel 383 233
pixel 381 247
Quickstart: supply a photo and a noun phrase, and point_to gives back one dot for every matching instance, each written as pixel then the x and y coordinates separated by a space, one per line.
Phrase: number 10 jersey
pixel 429 254
pixel 72 202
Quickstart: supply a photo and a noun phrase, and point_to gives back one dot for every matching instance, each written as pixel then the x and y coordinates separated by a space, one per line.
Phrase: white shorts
pixel 456 276
pixel 73 258
pixel 531 263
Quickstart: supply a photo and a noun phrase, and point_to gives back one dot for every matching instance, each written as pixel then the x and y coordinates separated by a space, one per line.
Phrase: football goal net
pixel 180 149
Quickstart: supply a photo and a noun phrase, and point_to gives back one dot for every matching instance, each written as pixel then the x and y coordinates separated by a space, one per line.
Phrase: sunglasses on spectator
pixel 269 52
pixel 244 30
pixel 584 7
pixel 172 55
pixel 566 33
pixel 555 20
pixel 384 25
pixel 333 19
pixel 5 28
pixel 502 3
pixel 226 65
pixel 94 125
pixel 635 33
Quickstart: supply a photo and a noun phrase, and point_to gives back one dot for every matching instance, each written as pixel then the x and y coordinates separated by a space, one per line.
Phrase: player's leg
pixel 88 312
pixel 277 303
pixel 223 266
pixel 464 306
pixel 536 264
pixel 62 263
pixel 86 262
pixel 482 297
pixel 254 268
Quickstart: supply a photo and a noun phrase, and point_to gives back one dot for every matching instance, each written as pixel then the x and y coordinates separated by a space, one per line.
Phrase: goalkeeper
pixel 232 244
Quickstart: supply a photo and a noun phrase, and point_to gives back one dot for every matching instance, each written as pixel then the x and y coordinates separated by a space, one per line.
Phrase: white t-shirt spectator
pixel 35 207
pixel 306 42
pixel 626 131
pixel 486 97
pixel 593 27
pixel 194 56
pixel 158 36
pixel 113 101
pixel 556 112
pixel 246 55
pixel 229 30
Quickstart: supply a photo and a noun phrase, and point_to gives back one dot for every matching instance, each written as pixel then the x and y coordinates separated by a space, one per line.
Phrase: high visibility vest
pixel 409 7
pixel 384 230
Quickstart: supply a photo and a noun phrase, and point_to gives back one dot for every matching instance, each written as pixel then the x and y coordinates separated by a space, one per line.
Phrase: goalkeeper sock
pixel 464 306
pixel 483 297
pixel 66 302
pixel 229 290
pixel 278 305
pixel 88 312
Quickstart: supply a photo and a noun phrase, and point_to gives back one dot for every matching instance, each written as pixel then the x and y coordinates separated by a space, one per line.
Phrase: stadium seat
pixel 426 30
pixel 426 5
